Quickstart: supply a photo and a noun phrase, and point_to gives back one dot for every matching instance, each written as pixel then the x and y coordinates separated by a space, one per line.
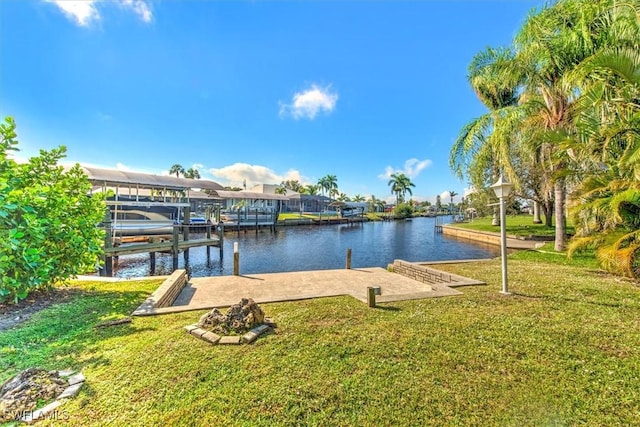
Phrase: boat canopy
pixel 118 178
pixel 250 195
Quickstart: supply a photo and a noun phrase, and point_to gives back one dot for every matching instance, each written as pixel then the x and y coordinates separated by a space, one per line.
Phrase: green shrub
pixel 48 222
pixel 403 210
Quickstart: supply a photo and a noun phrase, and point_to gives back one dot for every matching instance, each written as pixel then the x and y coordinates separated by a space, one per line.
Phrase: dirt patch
pixel 14 314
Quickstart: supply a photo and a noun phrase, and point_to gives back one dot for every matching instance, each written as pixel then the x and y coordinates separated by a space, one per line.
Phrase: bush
pixel 403 210
pixel 48 222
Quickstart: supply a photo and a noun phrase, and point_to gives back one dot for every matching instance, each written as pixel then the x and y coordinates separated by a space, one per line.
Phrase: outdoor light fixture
pixel 502 188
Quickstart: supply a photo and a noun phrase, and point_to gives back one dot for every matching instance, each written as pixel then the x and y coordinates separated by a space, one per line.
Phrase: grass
pixel 562 350
pixel 517 225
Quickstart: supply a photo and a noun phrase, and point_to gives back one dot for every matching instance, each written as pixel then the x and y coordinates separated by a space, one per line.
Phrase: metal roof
pixel 250 195
pixel 111 177
pixel 147 192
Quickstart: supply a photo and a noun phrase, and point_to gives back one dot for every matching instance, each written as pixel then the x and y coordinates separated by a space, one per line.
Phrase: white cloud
pixel 412 168
pixel 140 8
pixel 83 12
pixel 308 103
pixel 237 173
pixel 17 157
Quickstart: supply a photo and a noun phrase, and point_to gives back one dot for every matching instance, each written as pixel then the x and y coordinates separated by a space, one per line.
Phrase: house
pixel 295 202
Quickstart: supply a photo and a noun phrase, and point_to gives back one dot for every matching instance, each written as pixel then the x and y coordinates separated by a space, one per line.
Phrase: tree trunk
pixel 547 208
pixel 536 212
pixel 559 190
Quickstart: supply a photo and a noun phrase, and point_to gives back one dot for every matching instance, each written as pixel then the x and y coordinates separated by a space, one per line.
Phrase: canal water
pixel 299 248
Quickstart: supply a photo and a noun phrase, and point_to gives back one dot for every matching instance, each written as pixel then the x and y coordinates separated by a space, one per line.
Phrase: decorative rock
pixel 229 339
pixel 240 318
pixel 66 372
pixel 21 393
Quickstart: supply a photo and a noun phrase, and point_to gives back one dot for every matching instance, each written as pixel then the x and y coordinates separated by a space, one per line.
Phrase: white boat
pixel 135 222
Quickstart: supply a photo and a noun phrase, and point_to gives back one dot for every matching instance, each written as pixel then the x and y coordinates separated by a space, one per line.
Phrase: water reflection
pixel 374 244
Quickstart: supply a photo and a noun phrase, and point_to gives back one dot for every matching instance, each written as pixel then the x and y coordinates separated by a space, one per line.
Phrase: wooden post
pixel 186 222
pixel 152 259
pixel 176 249
pixel 221 237
pixel 371 297
pixel 348 259
pixel 236 259
pixel 108 243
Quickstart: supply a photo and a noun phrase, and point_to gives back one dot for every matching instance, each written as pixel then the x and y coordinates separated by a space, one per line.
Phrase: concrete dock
pixel 223 291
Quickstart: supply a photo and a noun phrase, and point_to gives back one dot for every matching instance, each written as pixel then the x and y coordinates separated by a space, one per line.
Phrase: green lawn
pixel 517 225
pixel 562 350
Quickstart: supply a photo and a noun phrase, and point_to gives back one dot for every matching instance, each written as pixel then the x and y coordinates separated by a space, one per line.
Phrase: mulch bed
pixel 14 314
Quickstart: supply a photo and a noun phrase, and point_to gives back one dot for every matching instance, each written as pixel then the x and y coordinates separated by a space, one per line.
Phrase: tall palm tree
pixel 358 198
pixel 176 169
pixel 606 201
pixel 322 184
pixel 192 173
pixel 400 185
pixel 331 185
pixel 452 194
pixel 483 147
pixel 550 45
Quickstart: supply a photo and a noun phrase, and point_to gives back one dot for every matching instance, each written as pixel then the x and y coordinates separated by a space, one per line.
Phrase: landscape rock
pixel 239 319
pixel 21 393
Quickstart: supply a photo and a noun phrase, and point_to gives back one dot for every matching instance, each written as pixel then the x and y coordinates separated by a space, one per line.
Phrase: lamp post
pixel 502 188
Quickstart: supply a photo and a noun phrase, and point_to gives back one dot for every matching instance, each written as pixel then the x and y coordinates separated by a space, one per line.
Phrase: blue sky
pixel 255 90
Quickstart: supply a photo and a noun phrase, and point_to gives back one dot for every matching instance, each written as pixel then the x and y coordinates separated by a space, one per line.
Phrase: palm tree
pixel 606 201
pixel 192 173
pixel 322 185
pixel 452 194
pixel 310 189
pixel 550 46
pixel 400 185
pixel 358 198
pixel 375 204
pixel 293 185
pixel 328 184
pixel 482 148
pixel 281 190
pixel 342 197
pixel 177 169
pixel 332 185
